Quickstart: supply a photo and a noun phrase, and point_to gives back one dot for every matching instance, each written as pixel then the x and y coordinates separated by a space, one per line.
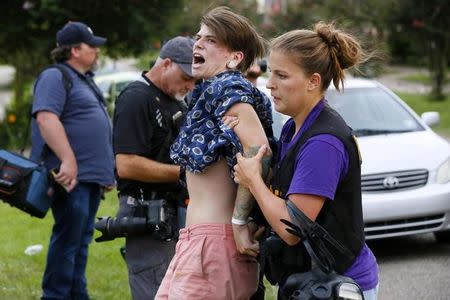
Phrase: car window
pixel 371 111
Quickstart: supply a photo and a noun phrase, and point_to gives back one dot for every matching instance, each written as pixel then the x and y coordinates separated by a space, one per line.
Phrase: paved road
pixel 413 268
pixel 393 76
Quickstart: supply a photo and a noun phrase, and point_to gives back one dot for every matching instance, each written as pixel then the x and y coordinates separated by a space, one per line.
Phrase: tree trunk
pixel 439 48
pixel 438 66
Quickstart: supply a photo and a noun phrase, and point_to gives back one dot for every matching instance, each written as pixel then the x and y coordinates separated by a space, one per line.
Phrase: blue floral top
pixel 204 137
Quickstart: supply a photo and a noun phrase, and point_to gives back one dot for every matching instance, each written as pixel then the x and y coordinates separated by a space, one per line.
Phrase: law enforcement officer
pixel 147 116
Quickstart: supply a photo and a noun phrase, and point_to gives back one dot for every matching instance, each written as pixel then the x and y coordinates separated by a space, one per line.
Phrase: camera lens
pixel 112 228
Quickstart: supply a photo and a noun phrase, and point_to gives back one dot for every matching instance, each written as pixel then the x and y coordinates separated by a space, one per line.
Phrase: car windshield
pixel 372 111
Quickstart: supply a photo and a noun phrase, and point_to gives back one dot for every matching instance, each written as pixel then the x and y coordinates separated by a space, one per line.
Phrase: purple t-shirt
pixel 319 167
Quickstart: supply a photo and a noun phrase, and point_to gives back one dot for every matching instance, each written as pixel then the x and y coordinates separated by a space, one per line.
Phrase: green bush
pixel 13 130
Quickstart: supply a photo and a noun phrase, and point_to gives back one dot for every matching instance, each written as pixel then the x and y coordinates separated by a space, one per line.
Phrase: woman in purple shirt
pixel 318 167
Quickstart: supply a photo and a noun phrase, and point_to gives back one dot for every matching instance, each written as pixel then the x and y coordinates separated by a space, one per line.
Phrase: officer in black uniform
pixel 147 117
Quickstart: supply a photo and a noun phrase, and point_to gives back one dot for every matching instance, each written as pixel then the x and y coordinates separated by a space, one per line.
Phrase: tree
pixel 29 28
pixel 289 15
pixel 187 19
pixel 436 27
pixel 427 22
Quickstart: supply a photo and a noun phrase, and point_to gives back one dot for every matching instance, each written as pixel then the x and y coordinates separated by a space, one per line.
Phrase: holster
pixel 282 260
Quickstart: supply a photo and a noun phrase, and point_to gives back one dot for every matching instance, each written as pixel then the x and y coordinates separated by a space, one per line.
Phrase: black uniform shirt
pixel 142 124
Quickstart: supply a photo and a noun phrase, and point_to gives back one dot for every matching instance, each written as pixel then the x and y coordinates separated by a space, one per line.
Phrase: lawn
pixel 20 274
pixel 425 78
pixel 421 103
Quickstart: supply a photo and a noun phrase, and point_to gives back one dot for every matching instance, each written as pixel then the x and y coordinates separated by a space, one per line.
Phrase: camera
pixel 157 218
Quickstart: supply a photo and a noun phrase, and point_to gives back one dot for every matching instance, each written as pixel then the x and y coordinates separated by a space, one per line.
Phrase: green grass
pixel 20 274
pixel 424 78
pixel 421 103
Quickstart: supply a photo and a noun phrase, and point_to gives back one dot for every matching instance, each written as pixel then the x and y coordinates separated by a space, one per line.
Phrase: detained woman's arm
pixel 248 174
pixel 251 135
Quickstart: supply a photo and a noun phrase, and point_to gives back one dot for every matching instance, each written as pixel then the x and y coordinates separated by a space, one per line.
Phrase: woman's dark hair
pixel 62 53
pixel 236 33
pixel 324 50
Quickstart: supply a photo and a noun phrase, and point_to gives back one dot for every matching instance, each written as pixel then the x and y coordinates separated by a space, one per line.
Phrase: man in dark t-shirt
pixel 147 117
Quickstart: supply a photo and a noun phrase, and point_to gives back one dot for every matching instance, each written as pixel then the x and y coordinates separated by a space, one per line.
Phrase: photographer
pixel 147 117
pixel 72 134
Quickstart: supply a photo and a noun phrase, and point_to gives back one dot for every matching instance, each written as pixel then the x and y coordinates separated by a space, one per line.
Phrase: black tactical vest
pixel 341 217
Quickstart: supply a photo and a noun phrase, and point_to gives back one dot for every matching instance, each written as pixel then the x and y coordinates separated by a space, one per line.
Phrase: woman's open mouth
pixel 198 59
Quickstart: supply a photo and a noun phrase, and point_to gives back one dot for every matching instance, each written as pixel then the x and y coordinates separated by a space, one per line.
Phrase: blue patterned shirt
pixel 204 137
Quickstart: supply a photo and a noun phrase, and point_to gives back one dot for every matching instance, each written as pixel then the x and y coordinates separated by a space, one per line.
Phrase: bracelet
pixel 238 222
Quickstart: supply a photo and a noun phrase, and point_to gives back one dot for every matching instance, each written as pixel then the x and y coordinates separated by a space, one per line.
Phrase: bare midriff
pixel 212 194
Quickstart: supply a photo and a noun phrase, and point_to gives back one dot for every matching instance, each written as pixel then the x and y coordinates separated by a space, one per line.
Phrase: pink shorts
pixel 207 265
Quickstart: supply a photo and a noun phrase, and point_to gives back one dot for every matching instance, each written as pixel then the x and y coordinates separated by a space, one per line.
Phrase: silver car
pixel 406 166
pixel 111 84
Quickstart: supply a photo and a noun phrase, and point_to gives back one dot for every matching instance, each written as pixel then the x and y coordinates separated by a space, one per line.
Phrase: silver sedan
pixel 406 166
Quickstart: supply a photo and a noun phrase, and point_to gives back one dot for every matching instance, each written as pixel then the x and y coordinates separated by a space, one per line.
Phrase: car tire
pixel 442 236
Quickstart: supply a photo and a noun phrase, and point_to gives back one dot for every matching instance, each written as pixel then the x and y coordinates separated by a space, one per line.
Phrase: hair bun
pixel 327 33
pixel 342 45
pixel 324 50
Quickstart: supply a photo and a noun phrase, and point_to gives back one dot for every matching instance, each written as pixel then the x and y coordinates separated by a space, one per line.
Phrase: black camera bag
pixel 24 184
